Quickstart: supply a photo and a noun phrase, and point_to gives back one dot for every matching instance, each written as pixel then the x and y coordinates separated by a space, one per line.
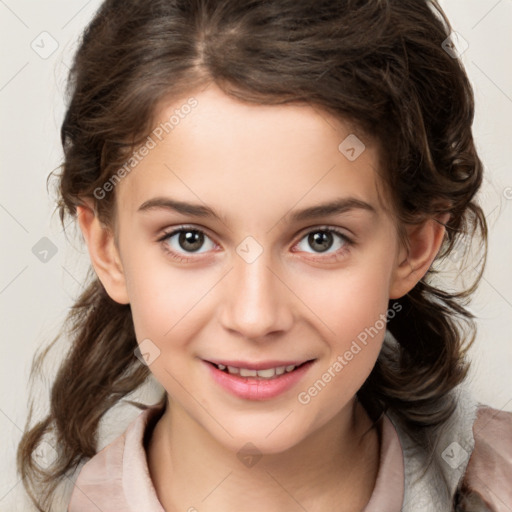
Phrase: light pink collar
pixel 387 495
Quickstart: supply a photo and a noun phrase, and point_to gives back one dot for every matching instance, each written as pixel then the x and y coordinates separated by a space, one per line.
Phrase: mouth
pixel 263 371
pixel 257 381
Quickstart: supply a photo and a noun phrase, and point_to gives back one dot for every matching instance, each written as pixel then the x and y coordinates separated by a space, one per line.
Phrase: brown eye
pixel 190 240
pixel 321 240
pixel 187 240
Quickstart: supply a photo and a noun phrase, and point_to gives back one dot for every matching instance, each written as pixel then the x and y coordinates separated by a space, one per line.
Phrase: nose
pixel 256 301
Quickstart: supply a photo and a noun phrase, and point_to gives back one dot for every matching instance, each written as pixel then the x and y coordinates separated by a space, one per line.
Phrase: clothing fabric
pixel 474 449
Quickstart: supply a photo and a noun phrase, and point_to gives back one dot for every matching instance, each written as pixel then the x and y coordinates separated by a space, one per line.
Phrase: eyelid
pixel 168 232
pixel 326 227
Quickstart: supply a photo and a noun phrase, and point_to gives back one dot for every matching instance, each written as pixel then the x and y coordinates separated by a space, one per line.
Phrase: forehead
pixel 259 159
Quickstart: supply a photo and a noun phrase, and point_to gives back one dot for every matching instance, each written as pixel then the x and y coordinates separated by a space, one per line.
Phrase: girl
pixel 267 190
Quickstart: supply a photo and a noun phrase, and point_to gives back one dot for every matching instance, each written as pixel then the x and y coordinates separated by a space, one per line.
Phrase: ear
pixel 425 240
pixel 103 253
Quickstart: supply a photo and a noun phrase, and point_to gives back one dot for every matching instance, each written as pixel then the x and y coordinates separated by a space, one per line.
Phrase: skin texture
pixel 255 165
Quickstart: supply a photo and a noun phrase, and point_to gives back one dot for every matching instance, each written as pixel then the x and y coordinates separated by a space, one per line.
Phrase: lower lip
pixel 253 388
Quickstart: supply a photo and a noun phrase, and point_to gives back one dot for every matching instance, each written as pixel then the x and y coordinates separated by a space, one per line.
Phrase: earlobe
pixel 425 240
pixel 103 253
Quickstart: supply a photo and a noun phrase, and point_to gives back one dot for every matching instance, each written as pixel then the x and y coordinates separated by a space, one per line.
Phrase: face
pixel 258 262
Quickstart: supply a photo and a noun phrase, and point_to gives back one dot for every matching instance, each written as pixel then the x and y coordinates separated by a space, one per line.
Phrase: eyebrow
pixel 338 206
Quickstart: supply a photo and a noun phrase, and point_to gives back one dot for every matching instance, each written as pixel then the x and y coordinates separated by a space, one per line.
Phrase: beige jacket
pixel 474 448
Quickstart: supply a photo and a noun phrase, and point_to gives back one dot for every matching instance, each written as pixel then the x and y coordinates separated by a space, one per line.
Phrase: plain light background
pixel 38 40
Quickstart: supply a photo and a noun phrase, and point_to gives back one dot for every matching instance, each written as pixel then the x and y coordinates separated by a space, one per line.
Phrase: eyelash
pixel 347 243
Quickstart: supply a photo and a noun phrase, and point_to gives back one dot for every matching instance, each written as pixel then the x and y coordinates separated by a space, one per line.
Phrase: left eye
pixel 321 240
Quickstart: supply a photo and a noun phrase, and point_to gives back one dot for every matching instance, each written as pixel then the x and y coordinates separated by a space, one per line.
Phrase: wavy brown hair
pixel 378 64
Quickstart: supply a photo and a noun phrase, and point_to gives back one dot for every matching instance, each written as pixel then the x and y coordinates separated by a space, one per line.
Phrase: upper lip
pixel 261 365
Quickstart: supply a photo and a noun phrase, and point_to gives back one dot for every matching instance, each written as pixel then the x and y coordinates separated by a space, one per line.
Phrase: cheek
pixel 167 307
pixel 163 301
pixel 347 301
pixel 161 296
pixel 352 308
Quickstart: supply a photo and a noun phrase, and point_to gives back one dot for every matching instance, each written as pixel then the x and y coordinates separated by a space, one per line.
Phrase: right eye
pixel 186 240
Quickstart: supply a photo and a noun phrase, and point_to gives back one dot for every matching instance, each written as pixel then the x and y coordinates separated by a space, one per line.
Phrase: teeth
pixel 244 372
pixel 269 373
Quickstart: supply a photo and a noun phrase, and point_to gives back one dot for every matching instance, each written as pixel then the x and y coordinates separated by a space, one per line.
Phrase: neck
pixel 334 468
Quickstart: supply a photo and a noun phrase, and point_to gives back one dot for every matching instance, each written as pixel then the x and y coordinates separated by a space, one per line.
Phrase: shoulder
pixel 489 470
pixel 99 478
pixel 108 481
pixel 466 461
